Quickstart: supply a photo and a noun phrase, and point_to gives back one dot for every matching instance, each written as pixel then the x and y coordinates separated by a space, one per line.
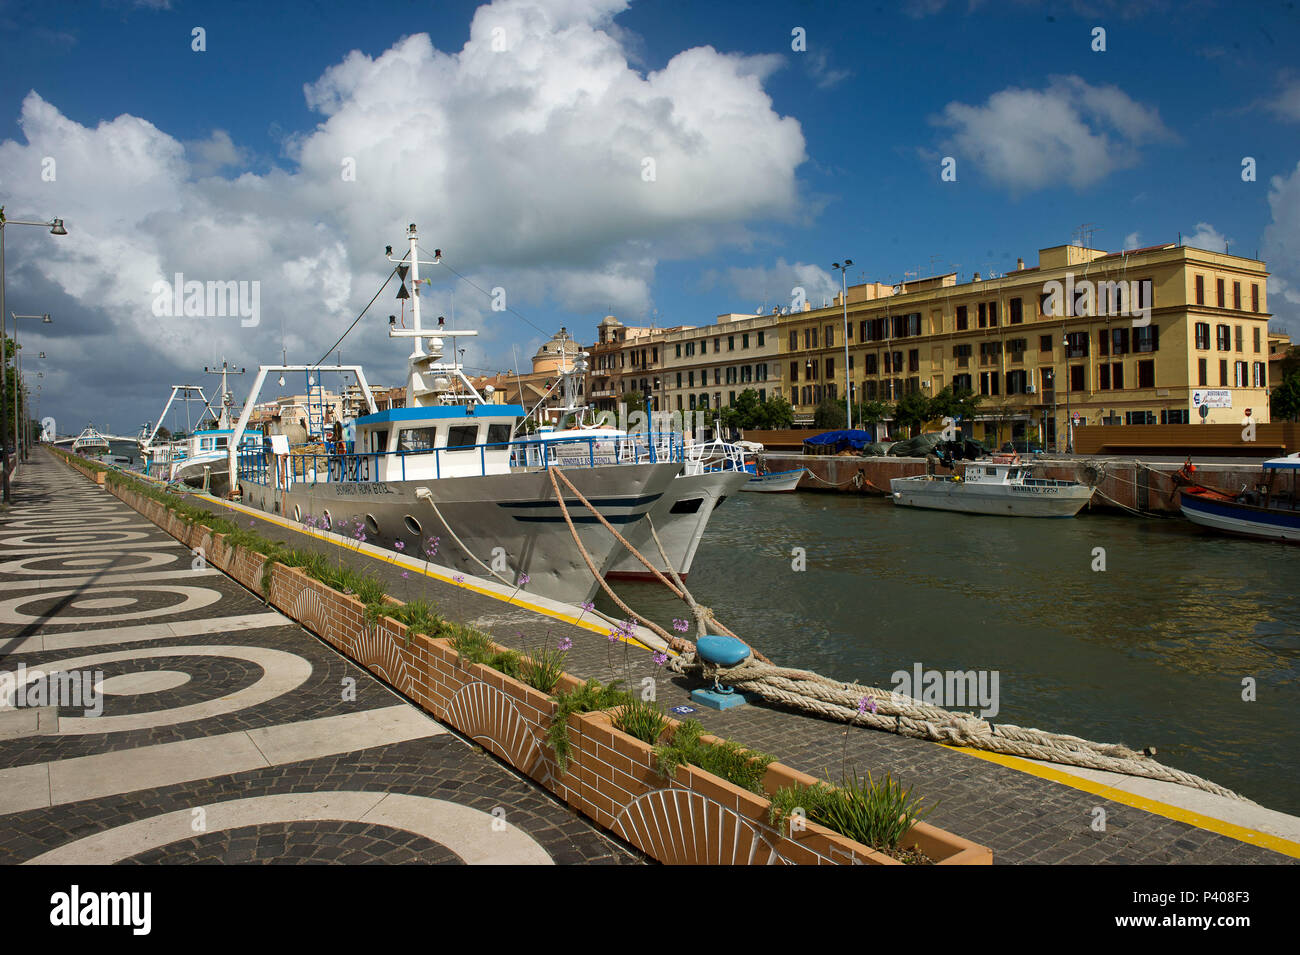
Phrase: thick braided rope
pixel 812 693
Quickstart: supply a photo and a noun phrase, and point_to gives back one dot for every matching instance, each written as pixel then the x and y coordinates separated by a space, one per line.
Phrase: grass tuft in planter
pixel 643 719
pixel 543 668
pixel 741 767
pixel 588 698
pixel 876 814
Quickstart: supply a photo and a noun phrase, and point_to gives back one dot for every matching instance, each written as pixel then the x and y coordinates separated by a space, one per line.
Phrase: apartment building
pixel 705 368
pixel 622 361
pixel 1138 337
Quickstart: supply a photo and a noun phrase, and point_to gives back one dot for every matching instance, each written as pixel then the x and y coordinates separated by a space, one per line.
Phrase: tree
pixel 830 415
pixel 750 412
pixel 912 411
pixel 1284 400
pixel 949 403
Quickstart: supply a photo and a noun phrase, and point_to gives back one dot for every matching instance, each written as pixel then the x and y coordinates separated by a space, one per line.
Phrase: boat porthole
pixel 413 525
pixel 297 513
pixel 329 522
pixel 372 525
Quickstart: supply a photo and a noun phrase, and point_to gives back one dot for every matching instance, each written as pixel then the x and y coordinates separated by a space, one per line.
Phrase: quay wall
pixel 1126 483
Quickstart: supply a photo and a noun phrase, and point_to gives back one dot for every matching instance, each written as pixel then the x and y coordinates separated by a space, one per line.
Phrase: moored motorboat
pixel 1001 484
pixel 90 443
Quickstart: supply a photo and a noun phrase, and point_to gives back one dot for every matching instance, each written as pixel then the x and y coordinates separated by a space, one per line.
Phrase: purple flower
pixel 565 643
pixel 866 703
pixel 588 606
pixel 458 579
pixel 431 547
pixel 614 634
pixel 659 658
pixel 405 574
pixel 399 544
pixel 681 626
pixel 523 580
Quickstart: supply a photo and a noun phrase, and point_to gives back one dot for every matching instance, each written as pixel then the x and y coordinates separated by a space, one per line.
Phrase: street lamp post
pixel 56 228
pixel 1069 421
pixel 25 443
pixel 844 300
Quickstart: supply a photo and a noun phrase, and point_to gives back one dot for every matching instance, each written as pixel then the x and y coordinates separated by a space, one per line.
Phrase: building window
pixel 794 371
pixel 690 379
pixel 1147 373
pixel 1236 295
pixel 1139 417
pixel 1017 311
pixel 760 337
pixel 1103 377
pixel 1117 375
pixel 1017 382
pixel 679 379
pixel 1200 290
pixel 1203 335
pixel 1238 338
pixel 1202 373
pixel 704 401
pixel 704 346
pixel 1223 373
pixel 1077 382
pixel 871 365
pixel 1254 297
pixel 731 343
pixel 1076 345
pixel 1145 339
pixel 830 336
pixel 961 384
pixel 962 354
pixel 1224 335
pixel 830 369
pixel 993 314
pixel 914 359
pixel 744 340
pixel 989 382
pixel 1045 343
pixel 717 376
pixel 692 402
pixel 983 315
pixel 794 341
pixel 1218 288
pixel 962 321
pixel 1258 380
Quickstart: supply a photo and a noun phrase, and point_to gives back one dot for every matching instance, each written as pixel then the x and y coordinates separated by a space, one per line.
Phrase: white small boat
pixel 999 485
pixel 774 482
pixel 90 444
pixel 713 456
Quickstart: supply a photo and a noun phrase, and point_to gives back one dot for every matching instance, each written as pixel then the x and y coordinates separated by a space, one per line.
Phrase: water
pixel 1152 651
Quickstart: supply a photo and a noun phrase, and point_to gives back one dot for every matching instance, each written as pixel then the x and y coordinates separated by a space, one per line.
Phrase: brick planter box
pixel 697 818
pixel 693 818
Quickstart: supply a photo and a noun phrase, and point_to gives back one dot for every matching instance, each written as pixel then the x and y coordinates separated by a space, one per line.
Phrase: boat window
pixel 499 433
pixel 221 442
pixel 380 440
pixel 462 436
pixel 416 439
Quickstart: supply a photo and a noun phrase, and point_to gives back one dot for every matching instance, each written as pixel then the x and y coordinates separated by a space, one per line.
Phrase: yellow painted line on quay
pixel 419 566
pixel 1199 820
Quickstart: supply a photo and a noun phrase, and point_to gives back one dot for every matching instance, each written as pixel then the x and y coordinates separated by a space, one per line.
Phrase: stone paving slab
pixel 217 709
pixel 1023 818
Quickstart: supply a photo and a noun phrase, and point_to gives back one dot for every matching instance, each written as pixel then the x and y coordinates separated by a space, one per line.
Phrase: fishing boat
pixel 197 458
pixel 678 520
pixel 90 443
pixel 1001 484
pixel 1269 510
pixel 741 456
pixel 446 466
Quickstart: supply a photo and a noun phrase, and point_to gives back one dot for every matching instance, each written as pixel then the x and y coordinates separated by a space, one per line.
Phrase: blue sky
pixel 526 168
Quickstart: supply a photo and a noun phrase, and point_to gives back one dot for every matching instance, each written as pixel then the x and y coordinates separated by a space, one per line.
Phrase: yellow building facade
pixel 1142 336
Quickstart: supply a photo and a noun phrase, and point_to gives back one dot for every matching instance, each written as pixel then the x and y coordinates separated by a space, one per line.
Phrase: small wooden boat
pixel 1269 510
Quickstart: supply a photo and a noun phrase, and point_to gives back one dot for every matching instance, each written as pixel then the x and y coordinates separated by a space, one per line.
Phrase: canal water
pixel 1152 650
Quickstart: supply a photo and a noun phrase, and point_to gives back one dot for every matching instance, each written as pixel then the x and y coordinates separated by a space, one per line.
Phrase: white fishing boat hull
pixel 779 482
pixel 512 518
pixel 1048 499
pixel 680 518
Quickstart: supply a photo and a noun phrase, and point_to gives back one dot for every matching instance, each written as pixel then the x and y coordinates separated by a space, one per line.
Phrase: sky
pixel 664 162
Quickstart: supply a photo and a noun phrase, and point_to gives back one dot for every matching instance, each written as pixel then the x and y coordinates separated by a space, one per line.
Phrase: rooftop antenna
pixel 1084 234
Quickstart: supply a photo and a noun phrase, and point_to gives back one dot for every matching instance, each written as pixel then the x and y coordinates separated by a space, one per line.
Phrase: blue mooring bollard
pixel 720 651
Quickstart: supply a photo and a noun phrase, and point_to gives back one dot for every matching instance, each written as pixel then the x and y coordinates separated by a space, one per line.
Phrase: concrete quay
pixel 206 728
pixel 1025 811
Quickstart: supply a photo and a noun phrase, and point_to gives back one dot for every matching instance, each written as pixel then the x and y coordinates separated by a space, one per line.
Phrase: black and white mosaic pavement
pixel 169 716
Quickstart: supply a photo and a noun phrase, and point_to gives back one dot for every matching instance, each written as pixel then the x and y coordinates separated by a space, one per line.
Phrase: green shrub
pixel 543 668
pixel 742 767
pixel 876 814
pixel 642 719
pixel 588 698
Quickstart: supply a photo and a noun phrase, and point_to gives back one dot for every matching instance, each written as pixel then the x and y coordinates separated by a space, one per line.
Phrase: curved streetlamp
pixel 844 300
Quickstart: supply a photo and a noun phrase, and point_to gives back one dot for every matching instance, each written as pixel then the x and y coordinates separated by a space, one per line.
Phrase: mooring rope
pixel 852 703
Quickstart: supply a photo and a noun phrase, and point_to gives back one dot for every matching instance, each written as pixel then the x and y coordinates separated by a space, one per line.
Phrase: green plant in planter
pixel 741 767
pixel 471 646
pixel 643 719
pixel 876 814
pixel 588 698
pixel 418 616
pixel 543 667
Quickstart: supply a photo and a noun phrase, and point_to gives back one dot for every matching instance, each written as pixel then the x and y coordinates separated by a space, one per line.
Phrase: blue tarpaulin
pixel 837 441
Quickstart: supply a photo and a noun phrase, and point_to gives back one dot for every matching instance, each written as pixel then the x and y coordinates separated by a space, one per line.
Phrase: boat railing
pixel 258 466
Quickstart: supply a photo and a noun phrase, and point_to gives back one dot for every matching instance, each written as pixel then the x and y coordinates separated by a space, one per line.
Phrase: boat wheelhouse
pixel 90 443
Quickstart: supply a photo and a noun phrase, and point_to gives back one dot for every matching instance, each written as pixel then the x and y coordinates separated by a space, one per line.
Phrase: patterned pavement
pixel 169 716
